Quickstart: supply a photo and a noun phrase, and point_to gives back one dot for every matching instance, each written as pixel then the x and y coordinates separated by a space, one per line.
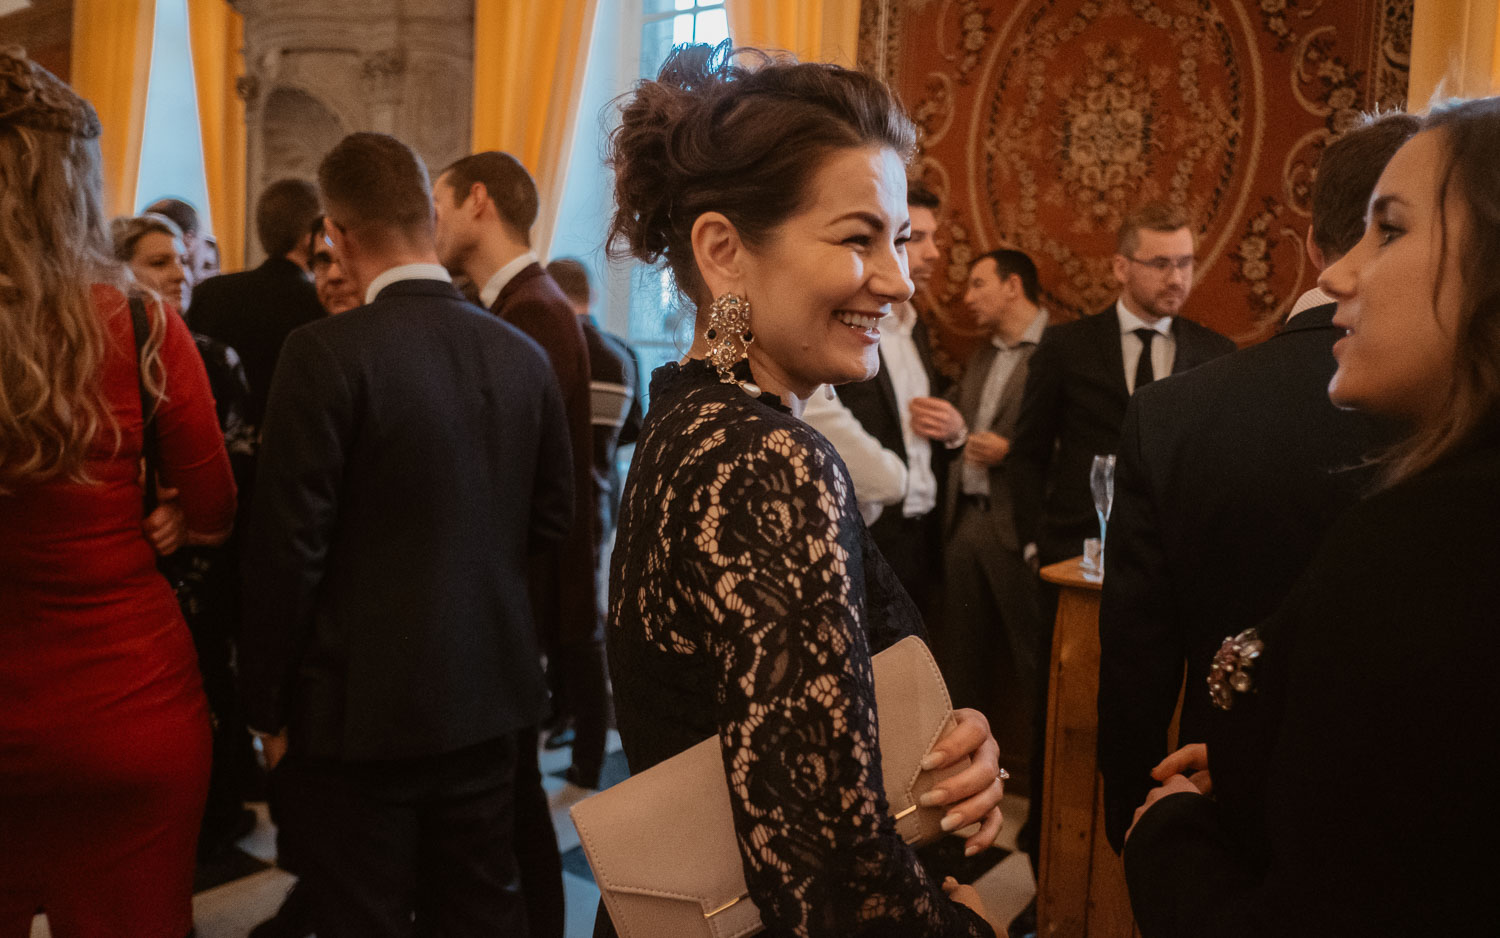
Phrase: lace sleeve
pixel 777 571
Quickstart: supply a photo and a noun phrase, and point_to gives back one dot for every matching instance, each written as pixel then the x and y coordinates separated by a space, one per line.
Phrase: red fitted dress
pixel 104 732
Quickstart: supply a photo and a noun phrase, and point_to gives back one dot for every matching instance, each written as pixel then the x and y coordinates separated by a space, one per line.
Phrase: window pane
pixel 710 3
pixel 171 146
pixel 713 27
pixel 652 7
pixel 656 42
pixel 655 309
pixel 682 29
pixel 684 4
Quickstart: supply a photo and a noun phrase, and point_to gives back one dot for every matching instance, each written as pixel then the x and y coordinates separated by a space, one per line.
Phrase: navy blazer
pixel 1072 410
pixel 252 312
pixel 415 454
pixel 1227 480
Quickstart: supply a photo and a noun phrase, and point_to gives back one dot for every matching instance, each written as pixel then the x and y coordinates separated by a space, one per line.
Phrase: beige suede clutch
pixel 662 843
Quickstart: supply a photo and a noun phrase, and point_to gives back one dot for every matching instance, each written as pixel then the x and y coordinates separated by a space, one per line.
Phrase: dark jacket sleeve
pixel 309 421
pixel 552 505
pixel 1141 643
pixel 1036 436
pixel 1183 873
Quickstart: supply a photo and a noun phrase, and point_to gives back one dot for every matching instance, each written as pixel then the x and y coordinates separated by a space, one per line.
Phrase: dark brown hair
pixel 181 212
pixel 919 196
pixel 376 183
pixel 1153 216
pixel 573 278
pixel 734 131
pixel 1470 133
pixel 1012 263
pixel 509 185
pixel 283 213
pixel 1347 173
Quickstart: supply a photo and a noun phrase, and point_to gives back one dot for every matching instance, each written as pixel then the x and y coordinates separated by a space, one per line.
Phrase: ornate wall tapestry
pixel 1043 121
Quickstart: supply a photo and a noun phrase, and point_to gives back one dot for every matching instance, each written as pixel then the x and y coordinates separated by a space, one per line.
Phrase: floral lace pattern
pixel 744 581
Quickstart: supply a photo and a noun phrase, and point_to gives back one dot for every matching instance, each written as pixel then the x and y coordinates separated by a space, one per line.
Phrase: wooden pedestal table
pixel 1081 893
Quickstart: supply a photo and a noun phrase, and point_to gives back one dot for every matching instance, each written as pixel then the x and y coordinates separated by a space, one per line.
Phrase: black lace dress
pixel 746 598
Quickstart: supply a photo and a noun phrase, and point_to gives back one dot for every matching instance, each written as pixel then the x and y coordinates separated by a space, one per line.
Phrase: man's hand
pixel 986 448
pixel 936 419
pixel 1174 785
pixel 973 794
pixel 1192 761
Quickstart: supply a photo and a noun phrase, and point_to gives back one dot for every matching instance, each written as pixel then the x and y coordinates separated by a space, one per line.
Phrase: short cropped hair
pixel 375 182
pixel 1347 173
pixel 919 196
pixel 573 278
pixel 181 212
pixel 510 187
pixel 1153 216
pixel 283 213
pixel 1012 263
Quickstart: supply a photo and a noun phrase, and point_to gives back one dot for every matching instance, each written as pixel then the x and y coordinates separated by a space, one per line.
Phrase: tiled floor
pixel 231 910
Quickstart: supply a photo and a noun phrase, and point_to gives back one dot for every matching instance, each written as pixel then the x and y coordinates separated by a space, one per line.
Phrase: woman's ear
pixel 719 254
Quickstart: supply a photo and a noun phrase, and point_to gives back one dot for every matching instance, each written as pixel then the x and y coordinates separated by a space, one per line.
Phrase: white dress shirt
pixel 976 478
pixel 909 379
pixel 879 475
pixel 1163 347
pixel 492 287
pixel 1313 297
pixel 405 272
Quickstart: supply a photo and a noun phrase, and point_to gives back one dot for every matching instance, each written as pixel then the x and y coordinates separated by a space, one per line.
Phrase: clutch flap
pixel 651 822
pixel 914 713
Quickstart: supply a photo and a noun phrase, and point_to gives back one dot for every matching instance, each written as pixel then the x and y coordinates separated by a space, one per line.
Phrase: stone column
pixel 317 71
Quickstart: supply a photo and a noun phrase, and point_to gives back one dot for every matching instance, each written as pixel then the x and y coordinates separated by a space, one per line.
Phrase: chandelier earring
pixel 729 338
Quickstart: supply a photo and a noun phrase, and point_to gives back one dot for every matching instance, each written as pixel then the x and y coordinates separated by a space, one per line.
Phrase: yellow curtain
pixel 1455 47
pixel 111 67
pixel 216 33
pixel 813 30
pixel 529 62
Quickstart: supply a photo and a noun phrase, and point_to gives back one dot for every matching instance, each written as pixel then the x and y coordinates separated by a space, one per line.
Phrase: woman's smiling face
pixel 821 283
pixel 1398 292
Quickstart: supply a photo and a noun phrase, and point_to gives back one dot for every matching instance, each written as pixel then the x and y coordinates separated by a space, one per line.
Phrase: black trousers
pixel 407 847
pixel 536 844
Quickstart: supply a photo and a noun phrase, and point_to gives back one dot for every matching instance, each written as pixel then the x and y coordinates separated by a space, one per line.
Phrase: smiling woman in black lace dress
pixel 746 597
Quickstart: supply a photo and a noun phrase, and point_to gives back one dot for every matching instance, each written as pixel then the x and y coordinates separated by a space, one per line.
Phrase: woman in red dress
pixel 104 733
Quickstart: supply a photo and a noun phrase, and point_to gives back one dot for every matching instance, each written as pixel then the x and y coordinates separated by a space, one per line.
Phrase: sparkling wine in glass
pixel 1102 482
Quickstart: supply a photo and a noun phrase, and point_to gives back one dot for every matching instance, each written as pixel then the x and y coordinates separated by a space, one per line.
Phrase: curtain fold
pixel 813 30
pixel 529 64
pixel 216 34
pixel 1455 48
pixel 111 66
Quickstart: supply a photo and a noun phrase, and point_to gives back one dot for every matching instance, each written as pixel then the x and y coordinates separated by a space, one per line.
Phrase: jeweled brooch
pixel 1230 673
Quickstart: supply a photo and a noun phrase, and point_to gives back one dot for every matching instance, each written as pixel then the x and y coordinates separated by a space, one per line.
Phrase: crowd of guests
pixel 351 508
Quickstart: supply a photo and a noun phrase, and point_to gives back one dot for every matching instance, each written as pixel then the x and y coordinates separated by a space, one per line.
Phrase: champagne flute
pixel 1102 483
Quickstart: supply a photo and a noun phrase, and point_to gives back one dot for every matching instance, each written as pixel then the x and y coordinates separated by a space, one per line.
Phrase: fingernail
pixel 935 797
pixel 950 821
pixel 932 760
pixel 970 851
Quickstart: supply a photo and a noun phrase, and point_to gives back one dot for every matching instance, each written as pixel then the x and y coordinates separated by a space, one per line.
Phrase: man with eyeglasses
pixel 1077 387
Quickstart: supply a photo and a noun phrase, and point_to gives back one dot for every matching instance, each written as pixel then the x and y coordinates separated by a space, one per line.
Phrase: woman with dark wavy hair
pixel 746 597
pixel 1354 766
pixel 104 734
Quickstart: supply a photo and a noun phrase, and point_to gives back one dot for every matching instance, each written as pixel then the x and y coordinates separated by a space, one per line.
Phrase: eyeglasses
pixel 1163 265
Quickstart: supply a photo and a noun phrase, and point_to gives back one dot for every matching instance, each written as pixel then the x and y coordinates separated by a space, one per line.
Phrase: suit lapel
pixel 887 389
pixel 1010 395
pixel 1113 354
pixel 522 277
pixel 975 377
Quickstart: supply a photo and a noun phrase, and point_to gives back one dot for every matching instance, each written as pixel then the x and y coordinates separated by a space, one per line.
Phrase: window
pixel 171 146
pixel 667 23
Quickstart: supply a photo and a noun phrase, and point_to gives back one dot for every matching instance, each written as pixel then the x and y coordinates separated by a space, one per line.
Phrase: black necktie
pixel 1144 373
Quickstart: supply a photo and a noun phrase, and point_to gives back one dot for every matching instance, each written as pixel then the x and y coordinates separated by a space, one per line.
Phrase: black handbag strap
pixel 140 323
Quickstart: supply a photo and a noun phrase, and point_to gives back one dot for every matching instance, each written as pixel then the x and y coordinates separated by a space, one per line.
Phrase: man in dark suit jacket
pixel 1227 480
pixel 1084 372
pixel 253 311
pixel 414 456
pixel 986 640
pixel 904 409
pixel 486 206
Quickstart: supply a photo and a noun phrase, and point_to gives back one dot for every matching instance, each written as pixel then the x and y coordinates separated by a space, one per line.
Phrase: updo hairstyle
pixel 714 133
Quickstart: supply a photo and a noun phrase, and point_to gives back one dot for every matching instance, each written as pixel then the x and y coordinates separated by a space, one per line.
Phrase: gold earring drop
pixel 729 338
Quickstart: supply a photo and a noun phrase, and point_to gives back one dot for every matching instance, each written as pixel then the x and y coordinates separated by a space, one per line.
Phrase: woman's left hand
pixel 1176 784
pixel 973 794
pixel 166 527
